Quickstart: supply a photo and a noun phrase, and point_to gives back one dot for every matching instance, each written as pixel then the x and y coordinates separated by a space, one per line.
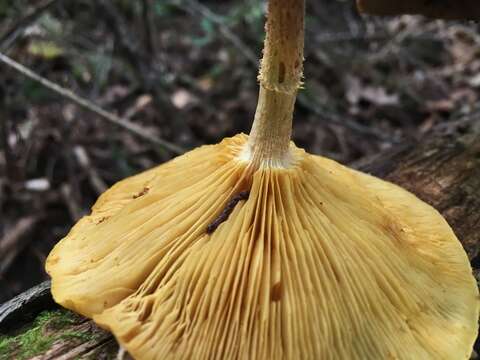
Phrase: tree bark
pixel 444 172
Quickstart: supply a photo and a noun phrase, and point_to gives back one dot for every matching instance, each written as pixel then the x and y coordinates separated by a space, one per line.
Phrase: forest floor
pixel 185 71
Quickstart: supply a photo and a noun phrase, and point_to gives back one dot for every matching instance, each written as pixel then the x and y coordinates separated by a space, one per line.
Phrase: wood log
pixel 444 172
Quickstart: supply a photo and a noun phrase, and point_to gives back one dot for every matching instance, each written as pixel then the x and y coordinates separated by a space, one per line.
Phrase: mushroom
pixel 254 249
pixel 443 9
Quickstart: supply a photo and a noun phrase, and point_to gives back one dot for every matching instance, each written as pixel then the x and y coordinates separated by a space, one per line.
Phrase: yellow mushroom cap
pixel 321 262
pixel 441 9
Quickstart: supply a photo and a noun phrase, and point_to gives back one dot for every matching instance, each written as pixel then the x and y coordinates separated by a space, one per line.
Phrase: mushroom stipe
pixel 227 211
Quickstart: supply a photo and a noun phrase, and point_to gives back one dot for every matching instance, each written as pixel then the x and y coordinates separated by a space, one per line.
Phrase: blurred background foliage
pixel 185 70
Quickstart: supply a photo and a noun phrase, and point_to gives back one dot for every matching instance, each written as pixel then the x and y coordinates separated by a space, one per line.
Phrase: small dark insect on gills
pixel 227 211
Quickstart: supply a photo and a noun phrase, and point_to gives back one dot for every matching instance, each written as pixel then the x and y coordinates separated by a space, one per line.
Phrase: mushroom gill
pixel 321 262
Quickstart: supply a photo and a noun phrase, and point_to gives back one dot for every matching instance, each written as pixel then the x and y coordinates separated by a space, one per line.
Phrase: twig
pixel 9 157
pixel 128 47
pixel 7 39
pixel 201 9
pixel 344 122
pixel 75 210
pixel 227 211
pixel 123 38
pixel 15 241
pixel 196 7
pixel 146 70
pixel 148 27
pixel 338 37
pixel 9 241
pixel 86 104
pixel 84 161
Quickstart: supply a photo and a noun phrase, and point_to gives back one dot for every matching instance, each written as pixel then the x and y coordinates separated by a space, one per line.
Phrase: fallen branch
pixel 88 105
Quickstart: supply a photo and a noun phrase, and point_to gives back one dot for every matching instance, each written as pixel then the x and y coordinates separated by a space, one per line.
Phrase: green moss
pixel 39 336
pixel 5 346
pixel 57 319
pixel 69 334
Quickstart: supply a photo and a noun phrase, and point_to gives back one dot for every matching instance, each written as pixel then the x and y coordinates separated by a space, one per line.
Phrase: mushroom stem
pixel 280 77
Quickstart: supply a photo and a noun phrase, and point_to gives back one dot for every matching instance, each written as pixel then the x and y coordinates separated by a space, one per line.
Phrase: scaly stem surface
pixel 280 77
